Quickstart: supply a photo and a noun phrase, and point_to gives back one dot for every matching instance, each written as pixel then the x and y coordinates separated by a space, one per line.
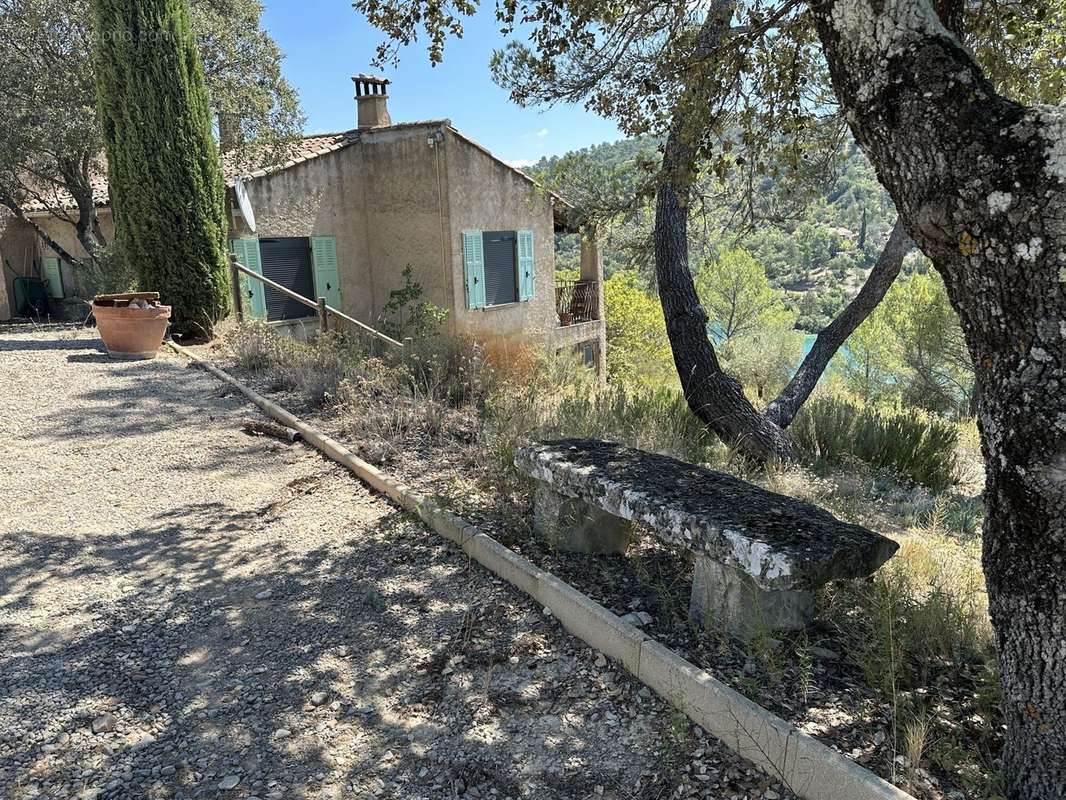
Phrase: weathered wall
pixel 489 196
pixel 21 248
pixel 379 199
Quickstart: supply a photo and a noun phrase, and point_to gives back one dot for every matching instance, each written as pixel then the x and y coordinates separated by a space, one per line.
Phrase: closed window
pixel 501 267
pixel 307 266
pixel 498 267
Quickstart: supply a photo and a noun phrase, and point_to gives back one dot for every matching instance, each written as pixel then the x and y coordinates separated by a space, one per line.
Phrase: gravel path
pixel 187 611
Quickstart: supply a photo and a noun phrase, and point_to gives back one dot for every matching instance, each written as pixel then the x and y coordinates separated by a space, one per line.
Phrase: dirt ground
pixel 188 611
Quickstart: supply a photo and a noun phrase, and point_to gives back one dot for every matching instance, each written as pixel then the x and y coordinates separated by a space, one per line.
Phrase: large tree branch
pixel 715 397
pixel 784 408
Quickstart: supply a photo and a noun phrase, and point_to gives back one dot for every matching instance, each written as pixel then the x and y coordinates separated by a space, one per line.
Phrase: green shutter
pixel 474 269
pixel 527 273
pixel 253 293
pixel 327 277
pixel 53 276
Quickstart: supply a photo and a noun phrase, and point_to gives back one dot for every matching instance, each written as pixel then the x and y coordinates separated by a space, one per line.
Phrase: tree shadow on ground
pixel 208 625
pixel 202 671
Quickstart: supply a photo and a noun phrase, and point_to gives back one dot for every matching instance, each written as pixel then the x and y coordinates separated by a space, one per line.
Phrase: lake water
pixel 808 345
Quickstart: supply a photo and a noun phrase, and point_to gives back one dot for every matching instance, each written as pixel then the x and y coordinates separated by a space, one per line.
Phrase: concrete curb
pixel 809 768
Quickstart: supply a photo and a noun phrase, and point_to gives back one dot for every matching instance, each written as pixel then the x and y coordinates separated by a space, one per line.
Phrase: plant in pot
pixel 132 324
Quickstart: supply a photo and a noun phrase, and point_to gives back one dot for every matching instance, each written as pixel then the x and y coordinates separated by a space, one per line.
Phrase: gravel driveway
pixel 189 611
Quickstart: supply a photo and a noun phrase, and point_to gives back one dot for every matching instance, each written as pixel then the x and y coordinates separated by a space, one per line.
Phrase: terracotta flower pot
pixel 131 331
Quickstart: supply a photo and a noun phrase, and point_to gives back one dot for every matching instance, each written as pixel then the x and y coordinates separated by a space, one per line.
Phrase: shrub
pixel 254 346
pixel 638 350
pixel 829 430
pixel 405 313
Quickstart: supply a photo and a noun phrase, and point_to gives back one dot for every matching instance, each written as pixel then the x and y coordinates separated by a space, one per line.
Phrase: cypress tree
pixel 166 184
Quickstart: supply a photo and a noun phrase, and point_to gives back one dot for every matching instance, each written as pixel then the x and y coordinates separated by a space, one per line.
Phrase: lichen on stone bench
pixel 760 556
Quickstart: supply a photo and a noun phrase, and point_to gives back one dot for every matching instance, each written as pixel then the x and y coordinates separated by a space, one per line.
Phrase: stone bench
pixel 759 556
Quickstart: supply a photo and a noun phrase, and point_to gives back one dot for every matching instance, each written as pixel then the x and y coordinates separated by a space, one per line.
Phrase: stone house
pixel 349 211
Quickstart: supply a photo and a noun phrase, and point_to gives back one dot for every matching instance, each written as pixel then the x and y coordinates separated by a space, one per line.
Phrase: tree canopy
pixel 50 136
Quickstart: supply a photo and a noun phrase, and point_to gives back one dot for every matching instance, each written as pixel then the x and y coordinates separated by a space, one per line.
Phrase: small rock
pixel 824 654
pixel 266 594
pixel 282 733
pixel 319 698
pixel 229 782
pixel 105 723
pixel 637 619
pixel 600 661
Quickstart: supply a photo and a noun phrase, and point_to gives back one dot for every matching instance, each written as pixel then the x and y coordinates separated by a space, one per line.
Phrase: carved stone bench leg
pixel 726 597
pixel 574 526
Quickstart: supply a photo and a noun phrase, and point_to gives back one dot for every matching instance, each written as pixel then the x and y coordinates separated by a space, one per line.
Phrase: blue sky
pixel 326 42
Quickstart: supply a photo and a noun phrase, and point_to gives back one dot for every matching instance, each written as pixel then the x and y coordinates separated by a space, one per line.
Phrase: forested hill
pixel 819 254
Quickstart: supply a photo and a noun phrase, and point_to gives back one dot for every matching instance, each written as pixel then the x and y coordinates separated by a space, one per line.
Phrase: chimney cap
pixel 370 84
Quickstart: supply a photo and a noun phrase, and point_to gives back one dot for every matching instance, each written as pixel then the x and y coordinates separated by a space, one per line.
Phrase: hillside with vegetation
pixel 816 243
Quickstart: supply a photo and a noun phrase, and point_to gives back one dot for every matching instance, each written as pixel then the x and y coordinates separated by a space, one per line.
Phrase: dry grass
pixel 919 622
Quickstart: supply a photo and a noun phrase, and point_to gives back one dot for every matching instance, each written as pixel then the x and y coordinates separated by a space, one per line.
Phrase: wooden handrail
pixel 311 303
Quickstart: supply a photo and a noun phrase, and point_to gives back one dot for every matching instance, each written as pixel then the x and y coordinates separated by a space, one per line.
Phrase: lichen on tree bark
pixel 978 181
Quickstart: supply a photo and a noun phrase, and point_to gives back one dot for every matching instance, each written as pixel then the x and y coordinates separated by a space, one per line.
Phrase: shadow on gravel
pixel 81 343
pixel 138 397
pixel 100 357
pixel 379 663
pixel 219 676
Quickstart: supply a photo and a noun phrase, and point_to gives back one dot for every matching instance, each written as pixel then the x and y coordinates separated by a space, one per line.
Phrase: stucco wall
pixel 379 199
pixel 21 248
pixel 489 196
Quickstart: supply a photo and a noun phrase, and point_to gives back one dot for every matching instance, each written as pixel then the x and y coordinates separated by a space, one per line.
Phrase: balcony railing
pixel 577 301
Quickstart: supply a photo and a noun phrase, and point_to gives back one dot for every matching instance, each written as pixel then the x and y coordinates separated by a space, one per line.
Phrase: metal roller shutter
pixel 501 281
pixel 288 262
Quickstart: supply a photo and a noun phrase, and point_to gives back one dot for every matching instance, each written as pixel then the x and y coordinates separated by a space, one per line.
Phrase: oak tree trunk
pixel 980 184
pixel 715 397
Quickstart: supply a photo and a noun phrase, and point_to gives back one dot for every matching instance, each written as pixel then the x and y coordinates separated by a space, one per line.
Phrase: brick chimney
pixel 371 98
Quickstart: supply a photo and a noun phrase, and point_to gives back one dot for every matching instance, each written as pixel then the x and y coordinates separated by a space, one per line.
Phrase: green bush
pixel 829 430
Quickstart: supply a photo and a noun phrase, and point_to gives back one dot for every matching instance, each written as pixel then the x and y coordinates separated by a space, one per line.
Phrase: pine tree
pixel 165 180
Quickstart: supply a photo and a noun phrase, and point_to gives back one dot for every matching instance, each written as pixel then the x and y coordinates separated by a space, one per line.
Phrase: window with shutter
pixel 253 294
pixel 501 268
pixel 474 269
pixel 53 277
pixel 526 268
pixel 327 275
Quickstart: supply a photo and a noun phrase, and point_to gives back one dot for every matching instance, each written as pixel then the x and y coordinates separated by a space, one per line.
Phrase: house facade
pixel 350 211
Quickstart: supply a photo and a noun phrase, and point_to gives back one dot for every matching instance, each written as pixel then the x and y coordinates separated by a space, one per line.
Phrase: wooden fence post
pixel 235 289
pixel 323 316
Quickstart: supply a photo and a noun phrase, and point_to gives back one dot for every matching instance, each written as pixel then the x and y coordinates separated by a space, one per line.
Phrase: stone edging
pixel 809 768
